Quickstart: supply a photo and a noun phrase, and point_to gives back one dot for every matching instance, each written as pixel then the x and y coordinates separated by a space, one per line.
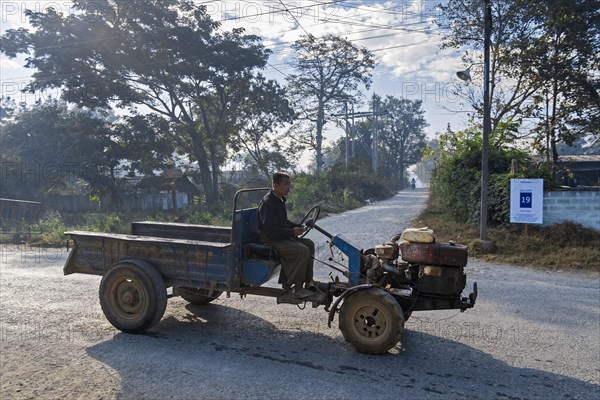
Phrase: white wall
pixel 580 206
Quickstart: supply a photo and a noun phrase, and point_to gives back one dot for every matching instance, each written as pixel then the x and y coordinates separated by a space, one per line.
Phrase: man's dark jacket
pixel 272 218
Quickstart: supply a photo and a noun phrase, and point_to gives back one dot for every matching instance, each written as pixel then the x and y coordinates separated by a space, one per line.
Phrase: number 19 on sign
pixel 525 200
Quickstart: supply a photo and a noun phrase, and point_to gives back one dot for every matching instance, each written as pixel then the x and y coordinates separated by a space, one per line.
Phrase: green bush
pixel 49 229
pixel 337 189
pixel 106 222
pixel 456 181
pixel 206 217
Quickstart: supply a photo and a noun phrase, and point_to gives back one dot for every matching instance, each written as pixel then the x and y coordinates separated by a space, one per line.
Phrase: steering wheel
pixel 312 214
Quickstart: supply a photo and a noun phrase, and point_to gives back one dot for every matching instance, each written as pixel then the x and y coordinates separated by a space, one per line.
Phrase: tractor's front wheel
pixel 372 321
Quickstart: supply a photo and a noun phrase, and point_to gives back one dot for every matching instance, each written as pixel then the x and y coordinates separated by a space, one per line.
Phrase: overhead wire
pixel 352 22
pixel 279 9
pixel 295 19
pixel 371 27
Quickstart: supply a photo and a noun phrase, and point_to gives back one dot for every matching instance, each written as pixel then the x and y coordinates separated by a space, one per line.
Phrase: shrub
pixel 51 228
pixel 456 181
pixel 338 188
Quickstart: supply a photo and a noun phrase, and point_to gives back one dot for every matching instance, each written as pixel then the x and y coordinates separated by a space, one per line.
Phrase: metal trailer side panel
pixel 180 262
pixel 172 230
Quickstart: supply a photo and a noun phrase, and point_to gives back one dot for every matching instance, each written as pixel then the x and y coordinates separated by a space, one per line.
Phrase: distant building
pixel 578 170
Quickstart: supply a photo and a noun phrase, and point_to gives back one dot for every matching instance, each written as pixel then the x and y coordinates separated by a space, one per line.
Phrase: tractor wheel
pixel 133 296
pixel 198 296
pixel 372 321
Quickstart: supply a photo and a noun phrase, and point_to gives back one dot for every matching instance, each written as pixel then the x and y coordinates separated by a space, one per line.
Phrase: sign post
pixel 527 203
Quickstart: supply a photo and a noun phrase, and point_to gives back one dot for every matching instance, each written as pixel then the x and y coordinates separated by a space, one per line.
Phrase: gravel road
pixel 532 335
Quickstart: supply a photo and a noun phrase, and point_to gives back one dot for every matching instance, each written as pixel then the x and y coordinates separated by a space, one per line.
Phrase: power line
pixel 352 22
pixel 295 19
pixel 355 22
pixel 282 10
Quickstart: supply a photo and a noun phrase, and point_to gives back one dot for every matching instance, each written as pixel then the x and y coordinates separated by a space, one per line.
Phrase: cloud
pixel 402 35
pixel 6 64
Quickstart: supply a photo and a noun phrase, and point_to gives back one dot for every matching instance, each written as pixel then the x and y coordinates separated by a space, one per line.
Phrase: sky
pixel 402 35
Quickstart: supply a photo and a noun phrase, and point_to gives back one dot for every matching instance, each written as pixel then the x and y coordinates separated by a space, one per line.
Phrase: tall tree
pixel 544 64
pixel 166 57
pixel 402 135
pixel 263 109
pixel 464 21
pixel 563 53
pixel 330 71
pixel 48 148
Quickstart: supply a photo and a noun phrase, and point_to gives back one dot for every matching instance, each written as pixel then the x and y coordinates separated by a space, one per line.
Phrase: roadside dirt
pixel 533 335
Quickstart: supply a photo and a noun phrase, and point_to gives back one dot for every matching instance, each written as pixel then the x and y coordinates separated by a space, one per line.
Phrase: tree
pixel 263 109
pixel 49 148
pixel 164 57
pixel 7 108
pixel 563 54
pixel 402 135
pixel 544 64
pixel 330 71
pixel 464 20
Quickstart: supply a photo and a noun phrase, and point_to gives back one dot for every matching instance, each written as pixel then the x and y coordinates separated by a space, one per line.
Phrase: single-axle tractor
pixel 380 287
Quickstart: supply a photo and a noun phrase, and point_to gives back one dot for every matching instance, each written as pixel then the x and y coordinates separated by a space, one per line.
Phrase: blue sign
pixel 525 199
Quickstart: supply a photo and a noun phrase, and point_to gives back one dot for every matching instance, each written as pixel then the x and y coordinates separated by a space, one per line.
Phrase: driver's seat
pixel 259 262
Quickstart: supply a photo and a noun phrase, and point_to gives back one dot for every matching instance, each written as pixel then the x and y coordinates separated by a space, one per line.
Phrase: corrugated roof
pixel 580 158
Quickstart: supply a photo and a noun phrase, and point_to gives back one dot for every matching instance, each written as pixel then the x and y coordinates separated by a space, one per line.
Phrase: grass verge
pixel 564 246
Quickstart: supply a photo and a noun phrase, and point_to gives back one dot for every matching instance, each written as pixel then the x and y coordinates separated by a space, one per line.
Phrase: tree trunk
pixel 214 163
pixel 319 137
pixel 203 163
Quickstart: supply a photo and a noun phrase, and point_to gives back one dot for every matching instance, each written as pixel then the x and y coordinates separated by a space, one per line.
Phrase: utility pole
pixel 487 122
pixel 347 132
pixel 374 152
pixel 353 133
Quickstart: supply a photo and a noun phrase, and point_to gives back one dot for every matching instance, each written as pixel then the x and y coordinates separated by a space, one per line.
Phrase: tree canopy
pixel 544 70
pixel 49 148
pixel 168 58
pixel 330 71
pixel 400 134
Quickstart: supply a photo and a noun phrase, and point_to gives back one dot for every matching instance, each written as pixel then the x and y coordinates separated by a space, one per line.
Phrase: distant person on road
pixel 296 253
pixel 413 184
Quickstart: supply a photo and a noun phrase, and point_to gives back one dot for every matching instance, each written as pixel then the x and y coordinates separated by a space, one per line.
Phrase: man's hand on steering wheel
pixel 310 218
pixel 298 230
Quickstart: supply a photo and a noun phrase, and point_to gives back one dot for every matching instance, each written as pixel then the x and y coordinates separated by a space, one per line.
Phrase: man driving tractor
pixel 296 253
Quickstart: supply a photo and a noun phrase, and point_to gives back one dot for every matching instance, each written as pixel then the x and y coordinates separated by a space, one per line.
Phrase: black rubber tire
pixel 198 296
pixel 407 315
pixel 133 296
pixel 372 321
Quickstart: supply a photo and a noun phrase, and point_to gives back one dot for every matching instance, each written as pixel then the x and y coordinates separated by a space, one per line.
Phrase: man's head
pixel 281 184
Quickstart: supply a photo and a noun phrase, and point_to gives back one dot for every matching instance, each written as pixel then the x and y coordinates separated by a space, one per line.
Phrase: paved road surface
pixel 532 335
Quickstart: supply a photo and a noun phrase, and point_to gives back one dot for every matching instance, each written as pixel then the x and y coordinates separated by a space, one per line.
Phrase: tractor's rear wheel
pixel 133 296
pixel 198 296
pixel 372 321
